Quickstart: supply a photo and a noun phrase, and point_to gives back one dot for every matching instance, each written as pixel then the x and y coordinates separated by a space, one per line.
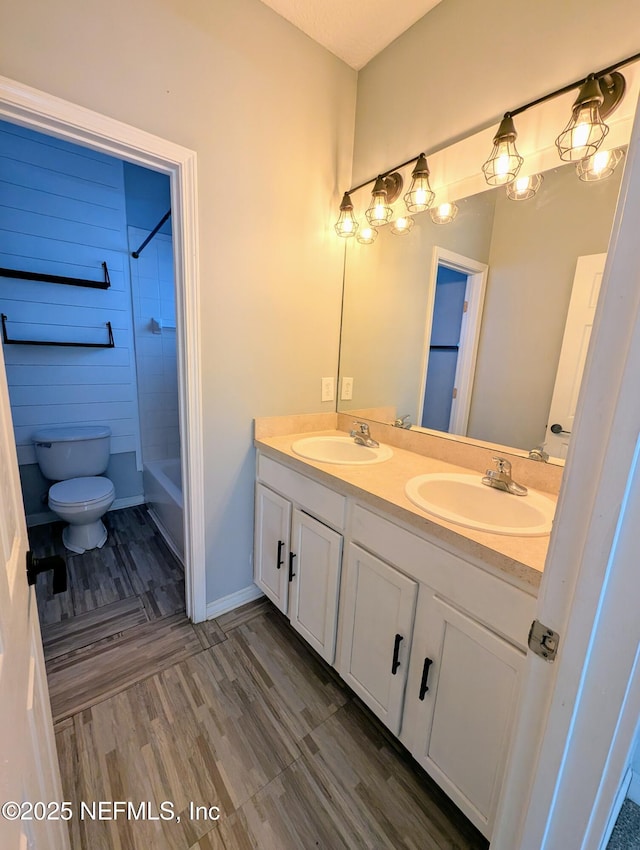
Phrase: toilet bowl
pixel 82 502
pixel 75 457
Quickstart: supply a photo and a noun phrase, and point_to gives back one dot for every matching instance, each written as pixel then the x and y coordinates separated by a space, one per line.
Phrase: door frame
pixel 37 110
pixel 476 273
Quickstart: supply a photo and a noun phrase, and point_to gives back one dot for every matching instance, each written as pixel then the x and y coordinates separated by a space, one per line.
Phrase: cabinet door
pixel 461 700
pixel 377 614
pixel 271 545
pixel 316 553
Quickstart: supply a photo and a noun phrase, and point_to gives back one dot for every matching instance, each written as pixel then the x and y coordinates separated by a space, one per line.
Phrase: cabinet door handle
pixel 425 676
pixel 280 560
pixel 396 652
pixel 291 572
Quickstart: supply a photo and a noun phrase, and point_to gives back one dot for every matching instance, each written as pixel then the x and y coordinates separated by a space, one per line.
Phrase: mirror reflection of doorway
pixel 448 308
pixel 454 313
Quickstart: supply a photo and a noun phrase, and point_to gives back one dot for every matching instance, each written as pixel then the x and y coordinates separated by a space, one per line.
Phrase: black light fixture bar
pixel 56 278
pixel 512 112
pixel 7 341
pixel 136 254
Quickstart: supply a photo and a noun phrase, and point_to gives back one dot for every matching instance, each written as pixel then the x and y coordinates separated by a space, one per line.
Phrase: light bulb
pixel 444 214
pixel 346 225
pixel 524 188
pixel 367 235
pixel 419 197
pixel 585 131
pixel 402 225
pixel 599 166
pixel 505 161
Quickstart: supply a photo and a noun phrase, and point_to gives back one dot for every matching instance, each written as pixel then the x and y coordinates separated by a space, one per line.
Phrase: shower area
pixel 154 332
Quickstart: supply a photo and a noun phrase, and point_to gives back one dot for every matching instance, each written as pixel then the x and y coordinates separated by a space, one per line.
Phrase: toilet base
pixel 79 538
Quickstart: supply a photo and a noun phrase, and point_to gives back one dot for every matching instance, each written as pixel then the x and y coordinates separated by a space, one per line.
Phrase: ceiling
pixel 354 30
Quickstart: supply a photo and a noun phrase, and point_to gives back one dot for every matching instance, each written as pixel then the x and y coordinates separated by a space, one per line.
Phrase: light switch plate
pixel 347 389
pixel 328 391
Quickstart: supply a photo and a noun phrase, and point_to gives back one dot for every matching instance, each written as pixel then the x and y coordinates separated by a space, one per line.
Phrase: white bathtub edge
pixel 233 600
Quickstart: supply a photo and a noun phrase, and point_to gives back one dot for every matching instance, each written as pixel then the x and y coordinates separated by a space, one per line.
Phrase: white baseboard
pixel 633 791
pixel 234 600
pixel 48 516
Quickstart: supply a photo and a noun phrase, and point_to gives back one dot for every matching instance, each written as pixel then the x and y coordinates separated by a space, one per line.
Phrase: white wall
pixel 270 115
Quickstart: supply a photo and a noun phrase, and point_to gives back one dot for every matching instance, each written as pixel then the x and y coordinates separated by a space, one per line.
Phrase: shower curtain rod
pixel 136 254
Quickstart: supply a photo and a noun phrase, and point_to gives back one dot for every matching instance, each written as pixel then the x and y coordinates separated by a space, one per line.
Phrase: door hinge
pixel 465 306
pixel 454 394
pixel 543 641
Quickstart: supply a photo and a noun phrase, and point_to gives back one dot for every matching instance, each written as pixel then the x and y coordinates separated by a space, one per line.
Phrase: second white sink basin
pixel 465 500
pixel 339 450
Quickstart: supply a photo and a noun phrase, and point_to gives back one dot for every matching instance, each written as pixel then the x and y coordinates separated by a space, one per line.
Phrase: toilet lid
pixel 81 490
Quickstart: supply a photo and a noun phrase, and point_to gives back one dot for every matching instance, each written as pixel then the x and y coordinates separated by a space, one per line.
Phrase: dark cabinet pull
pixel 425 676
pixel 396 652
pixel 280 560
pixel 291 572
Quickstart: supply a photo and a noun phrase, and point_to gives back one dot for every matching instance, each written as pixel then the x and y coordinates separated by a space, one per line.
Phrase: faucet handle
pixel 363 426
pixel 503 465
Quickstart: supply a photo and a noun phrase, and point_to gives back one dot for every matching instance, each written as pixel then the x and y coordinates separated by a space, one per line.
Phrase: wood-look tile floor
pixel 236 713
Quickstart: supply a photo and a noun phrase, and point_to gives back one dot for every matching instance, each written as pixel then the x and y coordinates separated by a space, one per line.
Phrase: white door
pixel 272 528
pixel 315 581
pixel 460 705
pixel 29 772
pixel 575 342
pixel 377 624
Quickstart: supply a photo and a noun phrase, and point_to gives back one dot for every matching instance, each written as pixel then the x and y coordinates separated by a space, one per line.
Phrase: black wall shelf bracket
pixel 8 341
pixel 105 283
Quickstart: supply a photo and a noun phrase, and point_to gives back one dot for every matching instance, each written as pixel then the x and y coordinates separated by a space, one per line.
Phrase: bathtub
pixel 163 495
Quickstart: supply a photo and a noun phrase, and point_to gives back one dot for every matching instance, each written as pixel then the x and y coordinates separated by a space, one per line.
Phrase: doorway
pixel 455 303
pixel 36 110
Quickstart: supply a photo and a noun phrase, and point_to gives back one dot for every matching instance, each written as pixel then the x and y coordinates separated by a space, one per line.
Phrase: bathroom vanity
pixel 426 621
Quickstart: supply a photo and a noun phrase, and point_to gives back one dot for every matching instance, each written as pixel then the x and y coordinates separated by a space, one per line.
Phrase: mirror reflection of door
pixel 575 342
pixel 454 314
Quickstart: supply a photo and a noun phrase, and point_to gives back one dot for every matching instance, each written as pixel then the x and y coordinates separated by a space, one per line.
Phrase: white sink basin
pixel 339 450
pixel 465 500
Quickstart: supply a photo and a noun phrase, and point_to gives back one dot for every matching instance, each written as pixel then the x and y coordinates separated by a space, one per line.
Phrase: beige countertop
pixel 519 560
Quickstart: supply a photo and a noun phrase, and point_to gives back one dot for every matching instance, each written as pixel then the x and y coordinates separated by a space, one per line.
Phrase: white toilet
pixel 76 457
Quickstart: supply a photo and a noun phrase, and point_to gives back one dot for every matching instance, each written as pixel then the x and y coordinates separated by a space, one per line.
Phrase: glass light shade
pixel 524 188
pixel 444 214
pixel 346 225
pixel 402 225
pixel 504 163
pixel 367 235
pixel 420 196
pixel 379 212
pixel 599 166
pixel 586 130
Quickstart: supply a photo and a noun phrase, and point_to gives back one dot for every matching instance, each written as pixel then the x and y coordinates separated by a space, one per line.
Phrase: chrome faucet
pixel 362 437
pixel 538 453
pixel 403 421
pixel 501 479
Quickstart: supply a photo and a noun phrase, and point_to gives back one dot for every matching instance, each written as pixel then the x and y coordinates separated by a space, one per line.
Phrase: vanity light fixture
pixel 599 166
pixel 402 225
pixel 444 213
pixel 585 132
pixel 504 163
pixel 420 195
pixel 523 188
pixel 367 235
pixel 346 225
pixel 385 190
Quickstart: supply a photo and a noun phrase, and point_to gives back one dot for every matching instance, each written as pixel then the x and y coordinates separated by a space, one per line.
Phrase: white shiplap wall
pixel 62 212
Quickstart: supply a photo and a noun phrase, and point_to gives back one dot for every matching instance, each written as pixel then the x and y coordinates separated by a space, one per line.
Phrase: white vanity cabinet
pixel 460 703
pixel 377 613
pixel 297 557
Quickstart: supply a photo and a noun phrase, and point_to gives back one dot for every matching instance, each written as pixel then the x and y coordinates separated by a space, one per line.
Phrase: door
pixel 29 773
pixel 272 527
pixel 575 342
pixel 377 624
pixel 460 705
pixel 315 581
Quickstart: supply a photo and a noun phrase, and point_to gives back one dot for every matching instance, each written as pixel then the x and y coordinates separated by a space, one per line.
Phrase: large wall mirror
pixel 522 258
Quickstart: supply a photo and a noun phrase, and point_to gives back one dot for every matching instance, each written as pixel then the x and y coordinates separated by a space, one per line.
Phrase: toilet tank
pixel 72 451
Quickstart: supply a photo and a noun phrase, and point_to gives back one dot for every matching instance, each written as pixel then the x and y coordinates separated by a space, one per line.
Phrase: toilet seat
pixel 81 491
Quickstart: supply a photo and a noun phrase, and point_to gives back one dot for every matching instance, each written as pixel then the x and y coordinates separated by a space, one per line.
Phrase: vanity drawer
pixel 505 608
pixel 315 498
